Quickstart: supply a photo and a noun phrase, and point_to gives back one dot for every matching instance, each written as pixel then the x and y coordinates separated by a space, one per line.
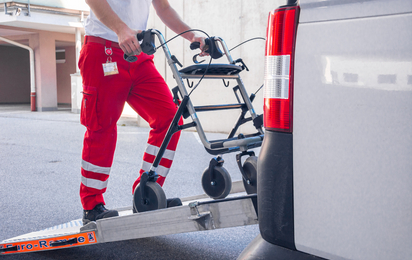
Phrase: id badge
pixel 110 68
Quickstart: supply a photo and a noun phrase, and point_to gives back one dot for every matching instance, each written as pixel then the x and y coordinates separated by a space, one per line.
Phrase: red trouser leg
pixel 102 104
pixel 152 100
pixel 144 89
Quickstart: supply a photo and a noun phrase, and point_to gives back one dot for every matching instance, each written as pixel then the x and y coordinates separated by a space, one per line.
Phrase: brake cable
pixel 252 39
pixel 210 60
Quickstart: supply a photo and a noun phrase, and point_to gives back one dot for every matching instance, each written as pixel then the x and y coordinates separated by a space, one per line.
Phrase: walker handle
pixel 140 35
pixel 210 47
pixel 195 45
pixel 147 45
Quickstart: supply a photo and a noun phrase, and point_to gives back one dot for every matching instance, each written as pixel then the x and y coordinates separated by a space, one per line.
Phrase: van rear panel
pixel 352 136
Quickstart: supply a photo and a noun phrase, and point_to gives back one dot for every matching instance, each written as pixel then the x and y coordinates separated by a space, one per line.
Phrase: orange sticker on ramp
pixel 51 243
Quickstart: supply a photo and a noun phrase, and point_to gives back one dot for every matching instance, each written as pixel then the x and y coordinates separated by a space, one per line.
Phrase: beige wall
pixel 235 21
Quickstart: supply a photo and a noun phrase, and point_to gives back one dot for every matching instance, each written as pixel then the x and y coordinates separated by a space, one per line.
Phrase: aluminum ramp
pixel 197 213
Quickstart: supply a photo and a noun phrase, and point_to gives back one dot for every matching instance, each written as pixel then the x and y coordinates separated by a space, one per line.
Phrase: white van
pixel 335 167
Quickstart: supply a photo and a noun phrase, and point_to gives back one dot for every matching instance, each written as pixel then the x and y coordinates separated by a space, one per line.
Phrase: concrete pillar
pixel 44 47
pixel 78 47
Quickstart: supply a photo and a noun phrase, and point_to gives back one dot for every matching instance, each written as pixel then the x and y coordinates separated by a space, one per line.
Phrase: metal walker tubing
pixel 232 144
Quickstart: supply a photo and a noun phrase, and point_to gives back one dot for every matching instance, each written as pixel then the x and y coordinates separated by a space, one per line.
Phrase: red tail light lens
pixel 280 45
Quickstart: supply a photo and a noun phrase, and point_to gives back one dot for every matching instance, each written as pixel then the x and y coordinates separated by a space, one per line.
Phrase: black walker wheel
pixel 250 170
pixel 220 186
pixel 155 198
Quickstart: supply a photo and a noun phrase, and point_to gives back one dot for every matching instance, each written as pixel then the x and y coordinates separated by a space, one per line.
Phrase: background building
pixel 53 30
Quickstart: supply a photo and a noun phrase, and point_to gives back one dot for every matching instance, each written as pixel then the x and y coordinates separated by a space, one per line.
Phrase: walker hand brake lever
pixel 147 45
pixel 211 47
pixel 196 45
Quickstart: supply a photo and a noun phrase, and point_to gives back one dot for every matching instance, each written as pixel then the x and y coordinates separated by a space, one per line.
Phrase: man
pixel 109 81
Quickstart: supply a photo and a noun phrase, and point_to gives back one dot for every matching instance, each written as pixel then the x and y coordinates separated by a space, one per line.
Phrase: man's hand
pixel 128 41
pixel 203 47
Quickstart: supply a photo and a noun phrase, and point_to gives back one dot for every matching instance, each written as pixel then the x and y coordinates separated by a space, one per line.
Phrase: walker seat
pixel 212 69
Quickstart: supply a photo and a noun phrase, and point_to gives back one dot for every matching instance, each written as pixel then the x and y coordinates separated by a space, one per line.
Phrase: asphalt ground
pixel 40 156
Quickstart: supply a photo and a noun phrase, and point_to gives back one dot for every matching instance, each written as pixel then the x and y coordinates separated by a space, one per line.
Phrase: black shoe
pixel 98 212
pixel 173 202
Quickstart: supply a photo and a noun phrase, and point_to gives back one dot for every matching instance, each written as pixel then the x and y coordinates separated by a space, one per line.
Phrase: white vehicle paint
pixel 352 130
pixel 336 182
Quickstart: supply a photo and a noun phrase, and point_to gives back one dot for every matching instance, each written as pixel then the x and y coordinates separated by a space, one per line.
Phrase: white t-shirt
pixel 134 13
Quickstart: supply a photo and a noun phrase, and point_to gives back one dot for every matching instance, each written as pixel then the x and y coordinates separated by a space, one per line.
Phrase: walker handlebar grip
pixel 210 47
pixel 140 35
pixel 195 45
pixel 147 45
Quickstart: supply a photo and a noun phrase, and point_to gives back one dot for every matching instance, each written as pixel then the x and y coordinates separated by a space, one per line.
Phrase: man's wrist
pixel 190 36
pixel 119 28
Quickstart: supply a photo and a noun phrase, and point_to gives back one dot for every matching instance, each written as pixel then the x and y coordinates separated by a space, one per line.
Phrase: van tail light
pixel 279 60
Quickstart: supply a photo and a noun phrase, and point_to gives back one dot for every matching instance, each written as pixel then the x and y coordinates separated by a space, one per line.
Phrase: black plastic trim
pixel 289 3
pixel 292 2
pixel 261 249
pixel 275 189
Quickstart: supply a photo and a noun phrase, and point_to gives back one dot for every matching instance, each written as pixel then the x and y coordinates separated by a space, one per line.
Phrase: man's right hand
pixel 128 41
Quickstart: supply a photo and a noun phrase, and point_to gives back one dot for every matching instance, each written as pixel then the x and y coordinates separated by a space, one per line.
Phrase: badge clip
pixel 109 68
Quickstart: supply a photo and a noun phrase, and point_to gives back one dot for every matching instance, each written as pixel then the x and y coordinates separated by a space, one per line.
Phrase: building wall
pixel 14 75
pixel 52 81
pixel 235 21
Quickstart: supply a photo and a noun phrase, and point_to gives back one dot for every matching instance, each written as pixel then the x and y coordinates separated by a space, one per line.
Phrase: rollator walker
pixel 216 181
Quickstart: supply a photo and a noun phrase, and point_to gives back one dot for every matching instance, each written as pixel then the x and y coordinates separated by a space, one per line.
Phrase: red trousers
pixel 143 88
